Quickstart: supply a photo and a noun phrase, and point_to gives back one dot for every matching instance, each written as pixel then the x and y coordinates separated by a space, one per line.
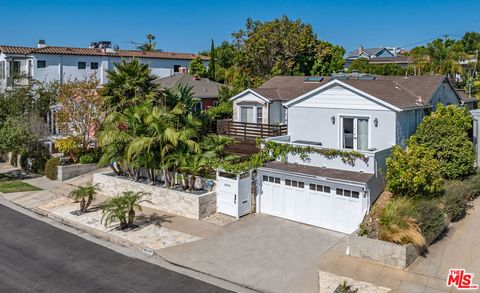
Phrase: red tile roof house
pixel 47 63
pixel 348 113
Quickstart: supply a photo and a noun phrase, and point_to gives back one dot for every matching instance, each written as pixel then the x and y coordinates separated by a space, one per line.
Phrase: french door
pixel 355 133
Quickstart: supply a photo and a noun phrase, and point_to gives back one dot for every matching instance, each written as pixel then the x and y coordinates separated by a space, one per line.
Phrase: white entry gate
pixel 234 193
pixel 311 202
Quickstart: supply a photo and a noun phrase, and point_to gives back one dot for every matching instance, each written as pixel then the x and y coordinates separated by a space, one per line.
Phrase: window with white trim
pixel 320 188
pixel 294 183
pixel 259 115
pixel 348 193
pixel 41 64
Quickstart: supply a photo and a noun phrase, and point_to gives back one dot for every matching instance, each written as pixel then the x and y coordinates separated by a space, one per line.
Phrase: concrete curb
pixel 148 252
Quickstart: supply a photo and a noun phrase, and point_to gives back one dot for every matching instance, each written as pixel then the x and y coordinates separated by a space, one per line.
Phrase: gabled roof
pixel 99 52
pixel 286 88
pixel 400 92
pixel 368 51
pixel 201 87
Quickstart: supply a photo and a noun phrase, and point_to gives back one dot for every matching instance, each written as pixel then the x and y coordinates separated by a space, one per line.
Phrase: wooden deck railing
pixel 246 131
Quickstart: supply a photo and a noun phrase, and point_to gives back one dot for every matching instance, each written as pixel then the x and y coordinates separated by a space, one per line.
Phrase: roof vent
pixel 366 77
pixel 313 79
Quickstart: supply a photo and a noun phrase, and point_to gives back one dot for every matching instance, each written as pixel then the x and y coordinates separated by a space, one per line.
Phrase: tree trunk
pixel 89 202
pixel 123 223
pixel 131 217
pixel 82 205
pixel 193 178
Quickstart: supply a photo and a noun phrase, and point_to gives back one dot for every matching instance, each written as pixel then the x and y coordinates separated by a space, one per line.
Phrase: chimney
pixel 41 44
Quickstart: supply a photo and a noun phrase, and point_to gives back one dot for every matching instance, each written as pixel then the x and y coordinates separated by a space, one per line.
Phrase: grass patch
pixel 8 185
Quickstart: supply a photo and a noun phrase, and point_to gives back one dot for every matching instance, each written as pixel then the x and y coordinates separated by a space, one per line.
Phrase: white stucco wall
pixel 65 67
pixel 254 100
pixel 311 119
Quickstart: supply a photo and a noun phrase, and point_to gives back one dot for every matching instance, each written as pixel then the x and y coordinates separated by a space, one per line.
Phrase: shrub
pixel 397 225
pixel 413 171
pixel 51 168
pixel 473 184
pixel 446 132
pixel 455 200
pixel 69 146
pixel 428 215
pixel 38 154
pixel 90 157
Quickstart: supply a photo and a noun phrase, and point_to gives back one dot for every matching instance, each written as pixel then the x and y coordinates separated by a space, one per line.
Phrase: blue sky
pixel 188 26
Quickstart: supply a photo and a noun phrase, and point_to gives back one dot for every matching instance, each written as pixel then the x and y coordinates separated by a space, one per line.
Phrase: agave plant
pixel 132 201
pixel 85 195
pixel 115 209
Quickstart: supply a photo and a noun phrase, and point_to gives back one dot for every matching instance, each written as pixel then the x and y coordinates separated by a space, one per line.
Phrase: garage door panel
pixel 301 205
pixel 277 200
pixel 290 204
pixel 340 215
pixel 266 199
pixel 320 209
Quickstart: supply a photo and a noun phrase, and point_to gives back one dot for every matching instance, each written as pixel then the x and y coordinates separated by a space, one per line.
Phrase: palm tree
pixel 81 192
pixel 181 94
pixel 129 83
pixel 194 164
pixel 115 209
pixel 132 202
pixel 149 45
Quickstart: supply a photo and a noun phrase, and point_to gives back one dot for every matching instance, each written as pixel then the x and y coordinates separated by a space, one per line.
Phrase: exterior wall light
pixel 332 119
pixel 375 122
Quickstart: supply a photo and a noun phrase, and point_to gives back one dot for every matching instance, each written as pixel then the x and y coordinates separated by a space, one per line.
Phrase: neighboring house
pixel 260 112
pixel 202 88
pixel 368 116
pixel 380 55
pixel 20 65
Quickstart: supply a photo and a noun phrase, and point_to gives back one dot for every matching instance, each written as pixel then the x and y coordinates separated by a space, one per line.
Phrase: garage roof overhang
pixel 343 176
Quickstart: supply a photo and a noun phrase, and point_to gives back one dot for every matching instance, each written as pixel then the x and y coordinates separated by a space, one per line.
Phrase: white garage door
pixel 310 202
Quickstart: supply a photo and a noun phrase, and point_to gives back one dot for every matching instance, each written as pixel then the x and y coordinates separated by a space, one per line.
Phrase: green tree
pixel 471 42
pixel 149 45
pixel 15 135
pixel 212 63
pixel 132 203
pixel 414 171
pixel 115 209
pixel 129 83
pixel 81 192
pixel 446 132
pixel 277 47
pixel 197 68
pixel 181 94
pixel 328 60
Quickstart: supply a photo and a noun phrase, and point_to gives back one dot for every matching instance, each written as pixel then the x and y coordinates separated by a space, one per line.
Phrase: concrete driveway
pixel 262 252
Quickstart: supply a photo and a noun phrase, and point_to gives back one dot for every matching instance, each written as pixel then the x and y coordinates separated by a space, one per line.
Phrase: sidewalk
pixel 157 229
pixel 428 273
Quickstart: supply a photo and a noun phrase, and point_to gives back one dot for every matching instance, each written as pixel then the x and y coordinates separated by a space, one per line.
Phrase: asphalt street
pixel 36 257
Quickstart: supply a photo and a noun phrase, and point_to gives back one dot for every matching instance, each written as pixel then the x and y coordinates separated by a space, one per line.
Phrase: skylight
pixel 313 79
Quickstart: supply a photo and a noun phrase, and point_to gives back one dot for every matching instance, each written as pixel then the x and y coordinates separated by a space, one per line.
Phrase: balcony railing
pixel 375 163
pixel 246 131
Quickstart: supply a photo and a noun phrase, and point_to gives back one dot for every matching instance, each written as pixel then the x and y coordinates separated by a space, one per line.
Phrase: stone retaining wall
pixel 70 171
pixel 387 252
pixel 176 202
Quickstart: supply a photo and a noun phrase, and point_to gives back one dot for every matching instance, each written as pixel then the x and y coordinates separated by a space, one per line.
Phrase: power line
pixel 431 39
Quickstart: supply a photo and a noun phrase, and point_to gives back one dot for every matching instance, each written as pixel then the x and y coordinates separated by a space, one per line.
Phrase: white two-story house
pixel 21 65
pixel 366 115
